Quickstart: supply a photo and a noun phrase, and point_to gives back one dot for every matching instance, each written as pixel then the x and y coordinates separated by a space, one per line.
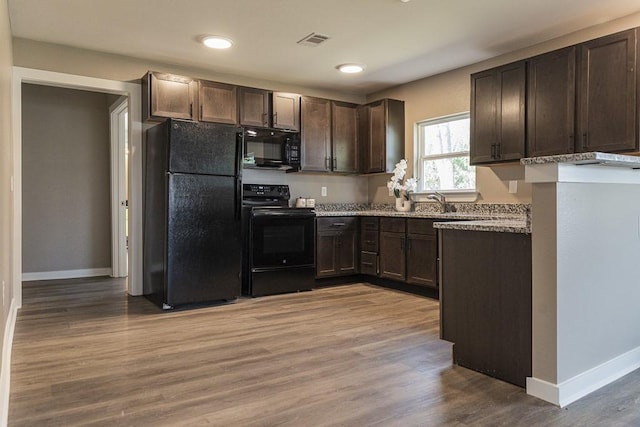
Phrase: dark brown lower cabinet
pixel 409 251
pixel 392 248
pixel 485 301
pixel 369 245
pixel 336 246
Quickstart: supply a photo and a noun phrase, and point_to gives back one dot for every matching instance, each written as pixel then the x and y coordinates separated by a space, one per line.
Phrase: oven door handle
pixel 278 214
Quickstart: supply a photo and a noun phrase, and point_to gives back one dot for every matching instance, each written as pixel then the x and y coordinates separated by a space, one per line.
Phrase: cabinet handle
pixel 327 163
pixel 402 244
pixel 335 163
pixel 264 119
pixel 367 263
pixel 381 165
pixel 338 224
pixel 201 112
pixel 369 242
pixel 275 118
pixel 408 245
pixel 191 109
pixel 585 141
pixel 499 150
pixel 493 151
pixel 571 147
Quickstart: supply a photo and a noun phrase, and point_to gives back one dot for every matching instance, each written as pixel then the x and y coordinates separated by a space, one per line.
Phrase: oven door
pixel 282 238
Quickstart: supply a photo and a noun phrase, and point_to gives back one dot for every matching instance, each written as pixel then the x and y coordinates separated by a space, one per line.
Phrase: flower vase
pixel 402 204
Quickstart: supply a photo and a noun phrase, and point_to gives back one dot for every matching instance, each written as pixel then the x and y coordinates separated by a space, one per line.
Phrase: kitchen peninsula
pixel 585 251
pixel 576 329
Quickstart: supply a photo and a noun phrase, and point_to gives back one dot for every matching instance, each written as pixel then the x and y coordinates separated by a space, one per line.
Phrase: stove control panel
pixel 265 191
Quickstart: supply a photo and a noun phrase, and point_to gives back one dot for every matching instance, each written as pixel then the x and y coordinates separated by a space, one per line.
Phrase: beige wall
pixel 449 93
pixel 65 59
pixel 340 188
pixel 5 170
pixel 66 214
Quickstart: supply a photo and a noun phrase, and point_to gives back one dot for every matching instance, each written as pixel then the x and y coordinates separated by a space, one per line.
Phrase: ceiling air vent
pixel 313 39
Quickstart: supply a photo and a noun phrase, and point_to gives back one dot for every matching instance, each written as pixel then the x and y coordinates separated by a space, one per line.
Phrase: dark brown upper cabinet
pixel 168 95
pixel 551 103
pixel 285 111
pixel 254 107
pixel 381 135
pixel 218 102
pixel 315 134
pixel 344 137
pixel 607 98
pixel 498 114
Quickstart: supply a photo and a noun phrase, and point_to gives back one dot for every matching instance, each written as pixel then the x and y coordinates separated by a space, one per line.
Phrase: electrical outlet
pixel 323 191
pixel 513 187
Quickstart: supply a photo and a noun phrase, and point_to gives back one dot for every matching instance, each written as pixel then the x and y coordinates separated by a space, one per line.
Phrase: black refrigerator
pixel 192 207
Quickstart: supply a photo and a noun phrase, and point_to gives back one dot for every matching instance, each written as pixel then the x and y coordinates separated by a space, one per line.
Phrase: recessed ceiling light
pixel 350 68
pixel 217 42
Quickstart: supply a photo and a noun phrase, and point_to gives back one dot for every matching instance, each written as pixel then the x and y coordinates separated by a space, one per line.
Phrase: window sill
pixel 461 196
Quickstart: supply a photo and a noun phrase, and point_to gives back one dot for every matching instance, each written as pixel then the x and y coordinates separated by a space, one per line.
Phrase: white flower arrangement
pixel 395 183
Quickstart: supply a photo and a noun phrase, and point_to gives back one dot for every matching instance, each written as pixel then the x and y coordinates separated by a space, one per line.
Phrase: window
pixel 443 154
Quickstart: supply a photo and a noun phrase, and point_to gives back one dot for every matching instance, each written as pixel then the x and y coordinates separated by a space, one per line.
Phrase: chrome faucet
pixel 439 197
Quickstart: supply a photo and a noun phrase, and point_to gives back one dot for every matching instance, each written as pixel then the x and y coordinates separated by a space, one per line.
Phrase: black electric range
pixel 278 242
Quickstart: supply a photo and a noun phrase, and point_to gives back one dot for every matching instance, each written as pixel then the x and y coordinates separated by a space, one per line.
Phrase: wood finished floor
pixel 85 353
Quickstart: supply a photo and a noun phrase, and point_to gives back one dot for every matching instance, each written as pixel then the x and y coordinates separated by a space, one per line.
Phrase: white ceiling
pixel 396 41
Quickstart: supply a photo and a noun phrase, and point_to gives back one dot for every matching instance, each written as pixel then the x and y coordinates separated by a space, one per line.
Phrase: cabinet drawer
pixel 368 223
pixel 336 223
pixel 369 263
pixel 393 225
pixel 420 226
pixel 369 240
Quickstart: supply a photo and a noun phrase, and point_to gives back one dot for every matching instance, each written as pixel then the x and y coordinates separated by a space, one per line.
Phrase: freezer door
pixel 204 148
pixel 203 243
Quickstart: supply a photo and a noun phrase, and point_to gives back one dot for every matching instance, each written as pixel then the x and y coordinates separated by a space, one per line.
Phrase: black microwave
pixel 272 149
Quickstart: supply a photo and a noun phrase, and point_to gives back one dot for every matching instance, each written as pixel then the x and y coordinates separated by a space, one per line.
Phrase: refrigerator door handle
pixel 239 152
pixel 238 200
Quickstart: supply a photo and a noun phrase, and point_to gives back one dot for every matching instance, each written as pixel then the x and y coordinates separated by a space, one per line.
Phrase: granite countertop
pixel 592 158
pixel 496 226
pixel 495 218
pixel 428 215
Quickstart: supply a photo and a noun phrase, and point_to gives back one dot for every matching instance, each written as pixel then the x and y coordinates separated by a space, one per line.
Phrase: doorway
pixel 133 94
pixel 119 136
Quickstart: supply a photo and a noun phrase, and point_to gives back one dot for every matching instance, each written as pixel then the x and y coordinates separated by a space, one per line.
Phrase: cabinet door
pixel 344 127
pixel 326 254
pixel 254 107
pixel 551 103
pixel 286 111
pixel 347 252
pixel 484 116
pixel 422 260
pixel 607 93
pixel 497 114
pixel 512 79
pixel 392 255
pixel 171 96
pixel 316 134
pixel 377 134
pixel 218 102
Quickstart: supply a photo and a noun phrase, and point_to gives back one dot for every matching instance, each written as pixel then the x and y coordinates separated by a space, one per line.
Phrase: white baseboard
pixel 587 382
pixel 5 373
pixel 66 274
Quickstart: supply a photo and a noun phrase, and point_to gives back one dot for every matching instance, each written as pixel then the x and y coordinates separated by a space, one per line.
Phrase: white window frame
pixel 421 157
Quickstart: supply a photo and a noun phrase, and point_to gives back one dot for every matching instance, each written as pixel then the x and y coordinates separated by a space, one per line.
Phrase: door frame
pixel 133 92
pixel 119 201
